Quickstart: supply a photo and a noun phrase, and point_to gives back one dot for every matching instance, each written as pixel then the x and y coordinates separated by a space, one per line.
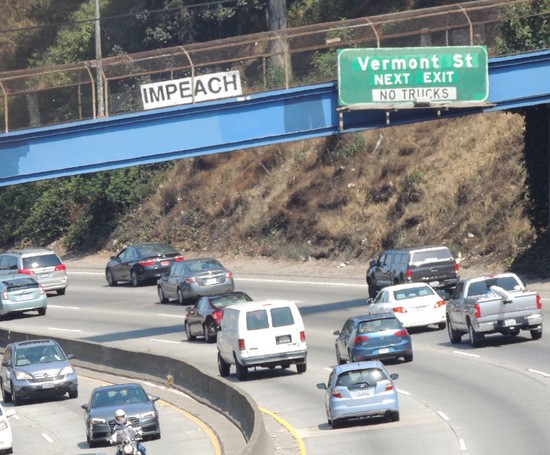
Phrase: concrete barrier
pixel 221 395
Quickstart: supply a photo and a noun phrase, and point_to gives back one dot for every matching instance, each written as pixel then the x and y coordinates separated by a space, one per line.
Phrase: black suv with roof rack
pixel 434 265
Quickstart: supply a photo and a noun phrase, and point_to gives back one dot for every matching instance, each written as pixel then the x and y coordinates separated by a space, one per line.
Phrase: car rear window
pixel 442 254
pixel 159 248
pixel 225 300
pixel 369 376
pixel 377 325
pixel 412 293
pixel 43 260
pixel 282 316
pixel 19 283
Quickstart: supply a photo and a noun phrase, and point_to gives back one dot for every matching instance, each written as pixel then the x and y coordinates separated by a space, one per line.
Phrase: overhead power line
pixel 120 16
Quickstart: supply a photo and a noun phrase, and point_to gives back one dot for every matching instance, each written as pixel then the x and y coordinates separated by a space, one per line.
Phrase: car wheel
pixel 285 365
pixel 41 311
pixel 475 338
pixel 162 297
pixel 372 289
pixel 181 299
pixel 16 400
pixel 339 360
pixel 61 291
pixel 6 395
pixel 209 331
pixel 408 358
pixel 536 334
pixel 134 279
pixel 91 444
pixel 301 367
pixel 337 423
pixel 109 277
pixel 223 366
pixel 73 394
pixel 242 371
pixel 394 416
pixel 188 333
pixel 441 325
pixel 9 450
pixel 454 335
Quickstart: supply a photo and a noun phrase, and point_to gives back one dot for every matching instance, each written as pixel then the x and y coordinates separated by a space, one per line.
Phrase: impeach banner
pixel 205 87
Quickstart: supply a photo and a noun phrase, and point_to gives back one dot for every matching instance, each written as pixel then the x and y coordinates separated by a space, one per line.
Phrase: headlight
pixel 128 449
pixel 97 420
pixel 149 414
pixel 67 370
pixel 20 375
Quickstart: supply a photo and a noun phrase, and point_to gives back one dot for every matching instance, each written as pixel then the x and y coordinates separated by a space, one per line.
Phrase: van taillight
pixel 409 274
pixel 302 336
pixel 477 310
pixel 26 271
pixel 241 344
pixel 60 268
pixel 217 315
pixel 539 303
pixel 457 268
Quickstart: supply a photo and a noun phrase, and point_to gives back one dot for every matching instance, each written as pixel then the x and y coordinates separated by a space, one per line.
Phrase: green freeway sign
pixel 413 75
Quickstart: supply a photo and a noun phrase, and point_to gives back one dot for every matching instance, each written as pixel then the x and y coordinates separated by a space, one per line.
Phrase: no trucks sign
pixel 413 75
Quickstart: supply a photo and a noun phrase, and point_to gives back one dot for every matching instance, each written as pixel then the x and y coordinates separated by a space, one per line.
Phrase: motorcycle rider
pixel 124 429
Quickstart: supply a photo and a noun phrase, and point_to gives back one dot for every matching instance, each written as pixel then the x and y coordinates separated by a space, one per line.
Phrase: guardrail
pixel 219 394
pixel 265 61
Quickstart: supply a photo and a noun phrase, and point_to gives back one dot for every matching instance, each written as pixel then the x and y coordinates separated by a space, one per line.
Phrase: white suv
pixel 42 264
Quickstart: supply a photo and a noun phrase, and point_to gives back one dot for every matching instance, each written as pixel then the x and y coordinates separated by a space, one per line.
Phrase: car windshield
pixel 38 354
pixel 377 325
pixel 118 396
pixel 412 293
pixel 43 260
pixel 369 376
pixel 225 300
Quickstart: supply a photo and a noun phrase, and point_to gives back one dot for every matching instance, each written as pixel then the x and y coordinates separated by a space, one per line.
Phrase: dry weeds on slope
pixel 456 182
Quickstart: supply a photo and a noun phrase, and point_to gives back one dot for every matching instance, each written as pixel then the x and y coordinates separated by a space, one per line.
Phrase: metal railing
pixel 266 61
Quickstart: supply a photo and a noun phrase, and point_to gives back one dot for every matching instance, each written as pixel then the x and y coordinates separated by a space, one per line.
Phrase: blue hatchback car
pixel 373 336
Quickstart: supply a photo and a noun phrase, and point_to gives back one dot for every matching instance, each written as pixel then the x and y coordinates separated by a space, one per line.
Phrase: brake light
pixel 439 304
pixel 42 292
pixel 336 393
pixel 401 333
pixel 26 271
pixel 302 336
pixel 190 280
pixel 5 295
pixel 477 310
pixel 60 268
pixel 178 258
pixel 399 309
pixel 148 263
pixel 360 339
pixel 389 387
pixel 241 344
pixel 457 268
pixel 229 275
pixel 409 274
pixel 539 303
pixel 217 315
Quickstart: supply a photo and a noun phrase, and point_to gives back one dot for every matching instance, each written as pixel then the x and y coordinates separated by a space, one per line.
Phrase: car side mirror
pixel 322 386
pixel 153 397
pixel 372 263
pixel 336 332
pixel 370 301
pixel 70 356
pixel 394 376
pixel 189 309
pixel 84 406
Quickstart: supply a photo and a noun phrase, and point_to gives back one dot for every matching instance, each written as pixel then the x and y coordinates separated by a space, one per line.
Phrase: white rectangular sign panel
pixel 205 87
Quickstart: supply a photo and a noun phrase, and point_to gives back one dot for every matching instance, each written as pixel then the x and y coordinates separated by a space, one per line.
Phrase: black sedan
pixel 204 318
pixel 140 263
pixel 99 411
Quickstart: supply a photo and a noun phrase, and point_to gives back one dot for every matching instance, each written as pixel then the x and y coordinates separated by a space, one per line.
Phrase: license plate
pixel 434 283
pixel 211 281
pixel 383 351
pixel 165 263
pixel 25 297
pixel 283 339
pixel 48 385
pixel 44 275
pixel 509 322
pixel 364 392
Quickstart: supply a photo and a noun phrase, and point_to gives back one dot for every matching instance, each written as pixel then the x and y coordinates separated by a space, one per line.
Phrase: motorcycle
pixel 126 445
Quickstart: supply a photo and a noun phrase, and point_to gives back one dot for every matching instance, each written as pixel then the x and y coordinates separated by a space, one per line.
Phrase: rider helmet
pixel 120 416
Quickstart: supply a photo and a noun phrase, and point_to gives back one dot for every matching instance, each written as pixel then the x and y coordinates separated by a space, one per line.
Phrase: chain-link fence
pixel 265 61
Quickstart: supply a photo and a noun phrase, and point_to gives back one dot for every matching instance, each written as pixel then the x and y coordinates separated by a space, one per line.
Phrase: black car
pixel 99 411
pixel 141 263
pixel 204 318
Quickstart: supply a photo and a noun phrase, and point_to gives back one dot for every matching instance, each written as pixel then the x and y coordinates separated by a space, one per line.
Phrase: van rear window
pixel 257 320
pixel 282 316
pixel 43 260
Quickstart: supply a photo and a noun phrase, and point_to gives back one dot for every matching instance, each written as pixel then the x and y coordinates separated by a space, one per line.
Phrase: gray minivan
pixel 42 264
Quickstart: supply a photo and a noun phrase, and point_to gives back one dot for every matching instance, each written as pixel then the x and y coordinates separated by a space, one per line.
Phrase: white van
pixel 262 333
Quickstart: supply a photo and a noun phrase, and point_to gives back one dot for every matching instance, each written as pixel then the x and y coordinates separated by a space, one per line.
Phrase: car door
pixel 171 282
pixel 343 340
pixel 456 308
pixel 382 271
pixel 119 266
pixel 5 368
pixel 196 317
pixel 380 303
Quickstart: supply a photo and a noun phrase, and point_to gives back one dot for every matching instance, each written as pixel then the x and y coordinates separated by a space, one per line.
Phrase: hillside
pixel 457 182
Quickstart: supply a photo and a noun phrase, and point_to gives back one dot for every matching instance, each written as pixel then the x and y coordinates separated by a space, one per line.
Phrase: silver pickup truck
pixel 491 304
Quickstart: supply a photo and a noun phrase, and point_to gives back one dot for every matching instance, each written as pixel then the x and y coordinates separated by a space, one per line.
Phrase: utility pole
pixel 277 20
pixel 98 65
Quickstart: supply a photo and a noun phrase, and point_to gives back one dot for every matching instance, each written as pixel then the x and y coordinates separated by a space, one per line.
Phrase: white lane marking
pixel 170 315
pixel 462 445
pixel 64 307
pixel 164 341
pixel 403 392
pixel 46 437
pixel 263 280
pixel 467 354
pixel 442 415
pixel 64 330
pixel 546 375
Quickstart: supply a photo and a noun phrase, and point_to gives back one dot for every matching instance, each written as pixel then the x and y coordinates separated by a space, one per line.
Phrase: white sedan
pixel 6 445
pixel 414 304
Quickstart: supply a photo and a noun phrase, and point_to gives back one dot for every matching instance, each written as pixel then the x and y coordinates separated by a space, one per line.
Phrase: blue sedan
pixel 360 390
pixel 373 336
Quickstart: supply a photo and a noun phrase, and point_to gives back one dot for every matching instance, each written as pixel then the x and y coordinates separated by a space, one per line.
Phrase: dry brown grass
pixel 457 182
